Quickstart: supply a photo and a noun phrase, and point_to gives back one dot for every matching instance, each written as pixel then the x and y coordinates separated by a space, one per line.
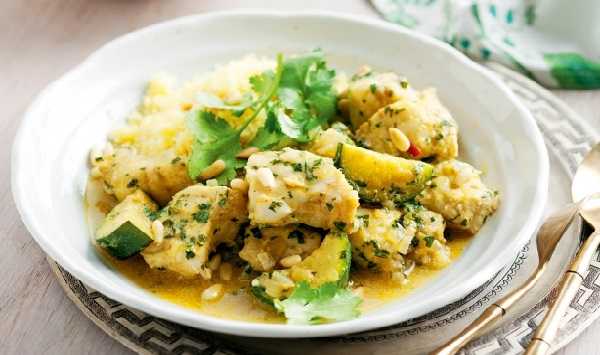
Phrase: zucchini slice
pixel 329 263
pixel 381 177
pixel 127 227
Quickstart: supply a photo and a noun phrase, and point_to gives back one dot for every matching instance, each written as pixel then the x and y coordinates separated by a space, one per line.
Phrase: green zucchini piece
pixel 127 227
pixel 330 263
pixel 381 177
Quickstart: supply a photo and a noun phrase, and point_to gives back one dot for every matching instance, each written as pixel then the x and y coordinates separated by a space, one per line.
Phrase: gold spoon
pixel 547 238
pixel 585 183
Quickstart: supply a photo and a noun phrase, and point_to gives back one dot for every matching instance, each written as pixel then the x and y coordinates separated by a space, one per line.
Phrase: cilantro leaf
pixel 305 100
pixel 307 90
pixel 207 100
pixel 327 303
pixel 216 139
pixel 206 127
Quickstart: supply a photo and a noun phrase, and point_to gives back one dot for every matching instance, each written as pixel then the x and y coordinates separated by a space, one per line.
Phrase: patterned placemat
pixel 568 138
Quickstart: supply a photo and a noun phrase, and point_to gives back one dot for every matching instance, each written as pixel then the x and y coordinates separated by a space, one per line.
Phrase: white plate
pixel 72 114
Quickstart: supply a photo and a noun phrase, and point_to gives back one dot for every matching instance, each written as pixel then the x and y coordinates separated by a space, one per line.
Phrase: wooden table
pixel 40 40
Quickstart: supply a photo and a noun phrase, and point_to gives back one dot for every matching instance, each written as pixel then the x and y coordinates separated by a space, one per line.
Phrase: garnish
pixel 328 303
pixel 275 205
pixel 298 235
pixel 201 216
pixel 298 98
pixel 429 240
pixel 340 226
pixel 215 139
pixel 305 101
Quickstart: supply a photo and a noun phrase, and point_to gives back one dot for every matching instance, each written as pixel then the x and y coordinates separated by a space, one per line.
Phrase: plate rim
pixel 264 330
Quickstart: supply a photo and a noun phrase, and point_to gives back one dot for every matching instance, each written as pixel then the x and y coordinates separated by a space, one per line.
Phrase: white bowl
pixel 71 115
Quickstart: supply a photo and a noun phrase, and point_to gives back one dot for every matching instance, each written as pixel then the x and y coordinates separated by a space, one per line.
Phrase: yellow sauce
pixel 237 302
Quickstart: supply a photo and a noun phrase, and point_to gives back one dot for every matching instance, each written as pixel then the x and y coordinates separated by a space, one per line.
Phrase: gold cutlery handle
pixel 490 315
pixel 567 289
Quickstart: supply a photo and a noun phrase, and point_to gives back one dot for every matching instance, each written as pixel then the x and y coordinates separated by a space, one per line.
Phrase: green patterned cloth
pixel 555 42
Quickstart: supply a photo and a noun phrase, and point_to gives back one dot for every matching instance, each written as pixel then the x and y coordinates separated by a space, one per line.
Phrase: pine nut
pixel 239 184
pixel 266 178
pixel 215 262
pixel 246 153
pixel 363 70
pixel 158 230
pixel 213 293
pixel 186 106
pixel 344 105
pixel 282 279
pixel 213 170
pixel 399 139
pixel 225 271
pixel 205 273
pixel 293 181
pixel 266 261
pixel 211 182
pixel 291 260
pixel 399 277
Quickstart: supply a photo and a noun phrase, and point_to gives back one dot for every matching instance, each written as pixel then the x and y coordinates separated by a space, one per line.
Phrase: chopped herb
pixel 404 84
pixel 175 160
pixel 297 166
pixel 414 242
pixel 309 171
pixel 256 233
pixel 397 223
pixel 298 235
pixel 340 226
pixel 377 251
pixel 189 254
pixel 152 215
pixel 203 213
pixel 373 88
pixel 201 240
pixel 223 200
pixel 132 183
pixel 338 155
pixel 464 223
pixel 99 159
pixel 343 254
pixel 364 219
pixel 329 206
pixel 275 205
pixel 429 241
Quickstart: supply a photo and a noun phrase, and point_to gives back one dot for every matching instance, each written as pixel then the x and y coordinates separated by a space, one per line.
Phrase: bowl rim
pixel 243 328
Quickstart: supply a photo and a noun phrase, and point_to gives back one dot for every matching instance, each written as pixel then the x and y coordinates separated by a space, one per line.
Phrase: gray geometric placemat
pixel 568 138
